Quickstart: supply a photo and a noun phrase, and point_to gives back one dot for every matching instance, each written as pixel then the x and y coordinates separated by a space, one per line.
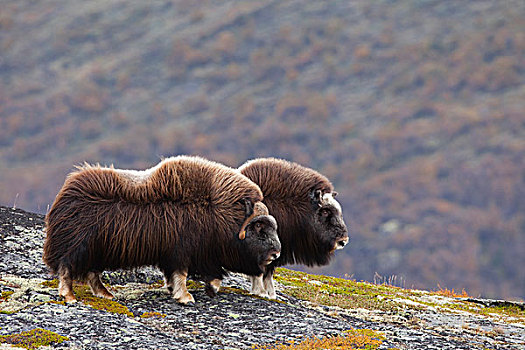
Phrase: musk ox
pixel 310 221
pixel 185 215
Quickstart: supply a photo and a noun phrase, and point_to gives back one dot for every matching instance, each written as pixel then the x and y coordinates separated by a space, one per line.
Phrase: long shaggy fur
pixel 286 187
pixel 183 212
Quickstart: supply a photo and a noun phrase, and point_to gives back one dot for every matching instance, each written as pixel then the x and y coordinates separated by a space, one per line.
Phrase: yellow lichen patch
pixel 157 284
pixel 50 283
pixel 152 314
pixel 352 339
pixel 190 284
pixel 5 295
pixel 33 339
pixel 84 295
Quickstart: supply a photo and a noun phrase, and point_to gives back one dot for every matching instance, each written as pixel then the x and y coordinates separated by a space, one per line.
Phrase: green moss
pixel 337 291
pixel 352 339
pixel 33 338
pixel 507 311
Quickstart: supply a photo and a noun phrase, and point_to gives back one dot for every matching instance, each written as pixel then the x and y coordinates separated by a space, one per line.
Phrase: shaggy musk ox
pixel 185 215
pixel 310 221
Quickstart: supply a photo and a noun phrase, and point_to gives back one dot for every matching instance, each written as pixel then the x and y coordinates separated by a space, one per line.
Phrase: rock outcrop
pixel 144 316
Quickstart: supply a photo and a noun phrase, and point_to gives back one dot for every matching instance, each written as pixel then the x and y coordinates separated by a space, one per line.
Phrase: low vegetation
pixel 33 339
pixel 84 295
pixel 350 294
pixel 351 340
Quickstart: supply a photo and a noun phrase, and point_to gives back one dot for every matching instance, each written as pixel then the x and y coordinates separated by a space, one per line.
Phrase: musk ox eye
pixel 325 212
pixel 258 225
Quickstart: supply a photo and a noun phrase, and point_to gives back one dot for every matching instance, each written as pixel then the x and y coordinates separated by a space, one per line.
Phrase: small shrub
pixel 451 293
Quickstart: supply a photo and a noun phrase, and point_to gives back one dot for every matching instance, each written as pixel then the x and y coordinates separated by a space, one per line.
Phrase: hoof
pixel 186 300
pixel 69 299
pixel 260 293
pixel 107 295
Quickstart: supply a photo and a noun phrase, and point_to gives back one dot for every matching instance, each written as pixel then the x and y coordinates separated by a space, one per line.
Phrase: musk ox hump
pixel 280 179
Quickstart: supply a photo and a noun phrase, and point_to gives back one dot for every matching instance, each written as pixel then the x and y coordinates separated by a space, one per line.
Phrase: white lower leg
pixel 215 284
pixel 178 282
pixel 65 285
pixel 268 286
pixel 257 286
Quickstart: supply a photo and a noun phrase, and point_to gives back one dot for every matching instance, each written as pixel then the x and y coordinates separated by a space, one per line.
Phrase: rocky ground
pixel 143 316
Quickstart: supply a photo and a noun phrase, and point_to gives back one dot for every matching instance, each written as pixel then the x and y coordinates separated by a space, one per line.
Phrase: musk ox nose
pixel 340 243
pixel 275 255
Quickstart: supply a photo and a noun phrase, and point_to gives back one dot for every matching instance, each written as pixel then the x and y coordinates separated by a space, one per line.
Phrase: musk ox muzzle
pixel 340 243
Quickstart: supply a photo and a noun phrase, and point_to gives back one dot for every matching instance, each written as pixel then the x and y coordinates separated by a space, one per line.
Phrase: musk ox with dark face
pixel 185 215
pixel 309 218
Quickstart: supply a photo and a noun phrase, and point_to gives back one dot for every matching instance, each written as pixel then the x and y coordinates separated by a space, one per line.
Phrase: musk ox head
pixel 328 220
pixel 259 234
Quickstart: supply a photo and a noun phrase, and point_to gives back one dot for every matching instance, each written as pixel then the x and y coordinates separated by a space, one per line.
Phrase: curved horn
pixel 258 209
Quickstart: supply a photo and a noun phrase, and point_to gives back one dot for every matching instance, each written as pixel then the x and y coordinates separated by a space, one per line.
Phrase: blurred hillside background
pixel 414 109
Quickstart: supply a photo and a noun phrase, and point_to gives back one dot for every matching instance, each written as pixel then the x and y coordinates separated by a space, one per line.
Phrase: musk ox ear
pixel 316 197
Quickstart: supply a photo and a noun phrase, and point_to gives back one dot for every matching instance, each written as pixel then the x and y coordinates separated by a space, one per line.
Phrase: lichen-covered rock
pixel 144 316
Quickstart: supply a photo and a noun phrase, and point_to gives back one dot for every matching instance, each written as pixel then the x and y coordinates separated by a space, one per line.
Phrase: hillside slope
pixel 355 314
pixel 414 110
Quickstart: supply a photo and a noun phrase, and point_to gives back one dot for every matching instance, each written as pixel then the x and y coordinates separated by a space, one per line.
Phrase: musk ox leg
pixel 98 289
pixel 177 283
pixel 65 285
pixel 258 286
pixel 268 286
pixel 212 287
